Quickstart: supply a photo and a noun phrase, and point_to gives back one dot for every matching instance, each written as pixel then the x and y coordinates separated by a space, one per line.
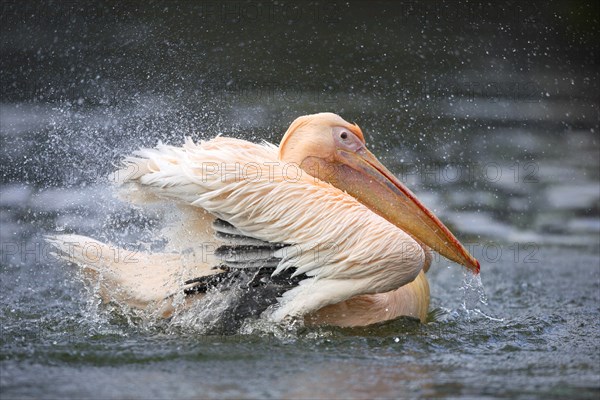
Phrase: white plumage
pixel 343 248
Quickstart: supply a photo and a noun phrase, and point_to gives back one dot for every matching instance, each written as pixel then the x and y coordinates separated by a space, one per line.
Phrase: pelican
pixel 316 229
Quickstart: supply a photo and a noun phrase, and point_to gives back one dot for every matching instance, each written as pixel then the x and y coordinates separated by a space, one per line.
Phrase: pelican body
pixel 316 229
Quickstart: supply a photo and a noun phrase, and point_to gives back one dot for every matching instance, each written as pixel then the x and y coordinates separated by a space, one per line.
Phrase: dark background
pixel 403 70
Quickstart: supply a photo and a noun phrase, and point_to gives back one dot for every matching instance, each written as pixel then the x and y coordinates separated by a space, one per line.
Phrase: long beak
pixel 364 177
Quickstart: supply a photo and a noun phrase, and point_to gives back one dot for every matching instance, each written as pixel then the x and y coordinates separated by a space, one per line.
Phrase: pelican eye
pixel 344 135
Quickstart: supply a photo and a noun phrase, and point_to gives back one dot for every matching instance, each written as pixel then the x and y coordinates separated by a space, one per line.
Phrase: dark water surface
pixel 489 112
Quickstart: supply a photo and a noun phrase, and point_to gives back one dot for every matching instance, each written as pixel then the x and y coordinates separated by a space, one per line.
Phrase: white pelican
pixel 316 229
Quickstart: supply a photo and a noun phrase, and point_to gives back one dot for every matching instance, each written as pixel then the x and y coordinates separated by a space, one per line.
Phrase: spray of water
pixel 475 298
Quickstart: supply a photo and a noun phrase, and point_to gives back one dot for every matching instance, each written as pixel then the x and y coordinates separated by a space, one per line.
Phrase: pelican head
pixel 331 149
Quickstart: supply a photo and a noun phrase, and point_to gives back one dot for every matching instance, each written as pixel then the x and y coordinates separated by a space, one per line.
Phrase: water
pixel 489 113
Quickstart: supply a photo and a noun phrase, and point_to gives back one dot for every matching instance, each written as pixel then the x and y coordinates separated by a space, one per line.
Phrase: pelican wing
pixel 335 243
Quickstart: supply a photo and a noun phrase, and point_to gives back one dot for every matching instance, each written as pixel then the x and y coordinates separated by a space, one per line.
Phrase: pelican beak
pixel 361 175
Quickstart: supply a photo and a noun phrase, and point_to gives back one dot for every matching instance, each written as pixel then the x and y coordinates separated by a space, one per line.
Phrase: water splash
pixel 287 331
pixel 474 297
pixel 207 315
